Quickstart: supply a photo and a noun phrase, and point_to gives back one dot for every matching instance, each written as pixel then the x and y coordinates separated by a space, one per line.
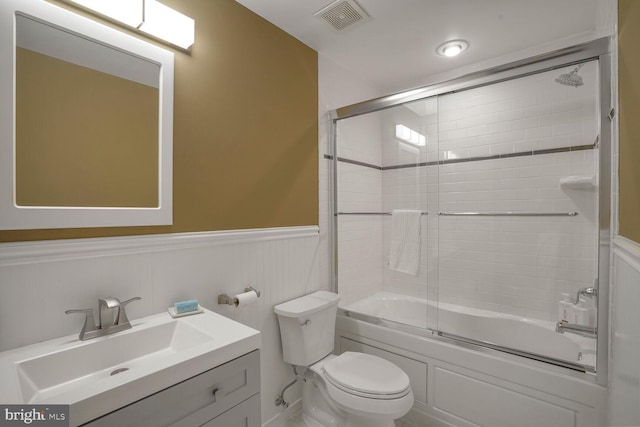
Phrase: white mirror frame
pixel 14 217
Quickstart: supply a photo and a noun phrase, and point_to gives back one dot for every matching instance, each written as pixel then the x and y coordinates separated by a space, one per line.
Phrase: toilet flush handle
pixel 306 322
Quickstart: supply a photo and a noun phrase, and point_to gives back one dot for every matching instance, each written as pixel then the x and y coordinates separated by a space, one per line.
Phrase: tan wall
pixel 629 86
pixel 245 128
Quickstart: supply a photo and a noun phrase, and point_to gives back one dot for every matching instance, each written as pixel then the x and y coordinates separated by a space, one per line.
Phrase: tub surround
pixel 501 147
pixel 496 389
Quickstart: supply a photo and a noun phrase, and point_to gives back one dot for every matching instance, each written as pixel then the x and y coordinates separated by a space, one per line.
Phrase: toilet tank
pixel 307 327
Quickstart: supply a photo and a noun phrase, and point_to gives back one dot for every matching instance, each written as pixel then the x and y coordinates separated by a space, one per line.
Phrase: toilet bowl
pixel 360 385
pixel 347 390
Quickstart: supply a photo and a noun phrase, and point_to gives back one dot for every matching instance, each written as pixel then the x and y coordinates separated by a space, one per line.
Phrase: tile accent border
pixel 470 159
pixel 355 162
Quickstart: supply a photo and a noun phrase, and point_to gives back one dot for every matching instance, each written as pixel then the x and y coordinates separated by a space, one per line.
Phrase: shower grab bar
pixel 370 213
pixel 508 213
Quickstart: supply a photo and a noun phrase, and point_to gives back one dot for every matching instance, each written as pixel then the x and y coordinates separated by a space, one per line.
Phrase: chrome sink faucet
pixel 106 311
pixel 110 323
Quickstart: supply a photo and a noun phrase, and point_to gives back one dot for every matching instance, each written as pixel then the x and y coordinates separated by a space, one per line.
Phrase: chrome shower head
pixel 572 78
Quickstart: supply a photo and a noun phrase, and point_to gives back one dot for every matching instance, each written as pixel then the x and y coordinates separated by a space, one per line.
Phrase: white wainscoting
pixel 624 357
pixel 40 280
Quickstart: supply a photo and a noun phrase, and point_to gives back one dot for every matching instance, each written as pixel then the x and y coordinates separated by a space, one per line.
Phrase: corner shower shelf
pixel 578 182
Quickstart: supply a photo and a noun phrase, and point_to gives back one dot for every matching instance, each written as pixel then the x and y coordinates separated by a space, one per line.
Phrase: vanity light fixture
pixel 406 134
pixel 452 48
pixel 148 16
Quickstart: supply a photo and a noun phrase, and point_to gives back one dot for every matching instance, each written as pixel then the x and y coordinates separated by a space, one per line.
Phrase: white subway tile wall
pixel 336 87
pixel 360 236
pixel 420 116
pixel 359 138
pixel 360 257
pixel 515 265
pixel 529 113
pixel 518 265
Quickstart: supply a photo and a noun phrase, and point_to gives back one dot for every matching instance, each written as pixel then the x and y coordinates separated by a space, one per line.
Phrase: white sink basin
pixel 100 375
pixel 47 376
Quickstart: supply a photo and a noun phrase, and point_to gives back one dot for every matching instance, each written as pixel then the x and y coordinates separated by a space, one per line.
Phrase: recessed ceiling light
pixel 452 48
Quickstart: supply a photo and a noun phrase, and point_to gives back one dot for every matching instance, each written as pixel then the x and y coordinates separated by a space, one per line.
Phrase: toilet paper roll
pixel 245 298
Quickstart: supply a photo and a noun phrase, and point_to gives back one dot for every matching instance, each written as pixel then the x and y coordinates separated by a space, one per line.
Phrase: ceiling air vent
pixel 342 14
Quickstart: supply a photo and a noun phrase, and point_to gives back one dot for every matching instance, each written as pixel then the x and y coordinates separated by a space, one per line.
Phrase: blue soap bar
pixel 186 306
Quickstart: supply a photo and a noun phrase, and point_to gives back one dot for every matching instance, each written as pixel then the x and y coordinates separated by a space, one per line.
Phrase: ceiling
pixel 395 49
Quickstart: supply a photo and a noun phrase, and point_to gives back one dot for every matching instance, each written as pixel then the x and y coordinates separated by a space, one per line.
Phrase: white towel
pixel 404 255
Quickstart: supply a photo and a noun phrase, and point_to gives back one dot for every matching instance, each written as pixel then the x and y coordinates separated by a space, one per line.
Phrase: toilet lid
pixel 364 373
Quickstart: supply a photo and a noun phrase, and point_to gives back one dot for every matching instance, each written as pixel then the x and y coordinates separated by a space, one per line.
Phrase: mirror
pixel 87 134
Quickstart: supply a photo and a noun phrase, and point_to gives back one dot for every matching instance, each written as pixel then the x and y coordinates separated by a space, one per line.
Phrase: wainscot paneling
pixel 40 280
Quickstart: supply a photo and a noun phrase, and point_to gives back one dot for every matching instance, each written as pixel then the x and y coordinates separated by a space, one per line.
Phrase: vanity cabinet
pixel 225 396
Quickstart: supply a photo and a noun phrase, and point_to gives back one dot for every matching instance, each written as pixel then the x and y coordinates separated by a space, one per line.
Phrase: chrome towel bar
pixel 508 213
pixel 473 213
pixel 370 213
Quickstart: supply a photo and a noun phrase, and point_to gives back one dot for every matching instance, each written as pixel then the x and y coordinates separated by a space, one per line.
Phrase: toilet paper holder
pixel 226 299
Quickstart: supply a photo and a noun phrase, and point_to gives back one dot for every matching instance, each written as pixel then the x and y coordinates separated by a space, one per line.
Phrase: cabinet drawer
pixel 246 414
pixel 192 402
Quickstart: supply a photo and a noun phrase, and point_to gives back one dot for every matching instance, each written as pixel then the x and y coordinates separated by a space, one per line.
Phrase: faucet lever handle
pixel 89 321
pixel 122 314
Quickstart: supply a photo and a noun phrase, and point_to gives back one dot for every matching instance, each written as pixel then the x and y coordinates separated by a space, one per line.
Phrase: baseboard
pixel 280 419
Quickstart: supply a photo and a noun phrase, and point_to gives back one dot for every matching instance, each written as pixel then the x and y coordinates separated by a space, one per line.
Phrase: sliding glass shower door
pixel 518 227
pixel 382 173
pixel 473 214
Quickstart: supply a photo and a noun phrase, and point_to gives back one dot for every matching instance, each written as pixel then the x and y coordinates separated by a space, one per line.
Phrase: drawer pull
pixel 219 393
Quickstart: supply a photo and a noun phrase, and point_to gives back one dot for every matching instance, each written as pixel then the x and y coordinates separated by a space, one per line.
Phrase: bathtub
pixel 515 334
pixel 463 384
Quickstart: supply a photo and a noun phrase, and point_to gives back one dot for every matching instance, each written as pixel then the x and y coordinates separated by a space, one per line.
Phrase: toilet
pixel 350 390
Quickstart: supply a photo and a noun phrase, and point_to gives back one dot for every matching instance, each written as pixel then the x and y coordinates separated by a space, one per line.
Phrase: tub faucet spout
pixel 582 330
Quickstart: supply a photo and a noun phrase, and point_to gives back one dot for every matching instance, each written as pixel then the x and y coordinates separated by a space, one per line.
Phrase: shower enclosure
pixel 494 190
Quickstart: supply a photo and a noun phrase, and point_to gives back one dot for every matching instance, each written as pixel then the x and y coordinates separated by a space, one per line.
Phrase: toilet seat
pixel 365 385
pixel 366 376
